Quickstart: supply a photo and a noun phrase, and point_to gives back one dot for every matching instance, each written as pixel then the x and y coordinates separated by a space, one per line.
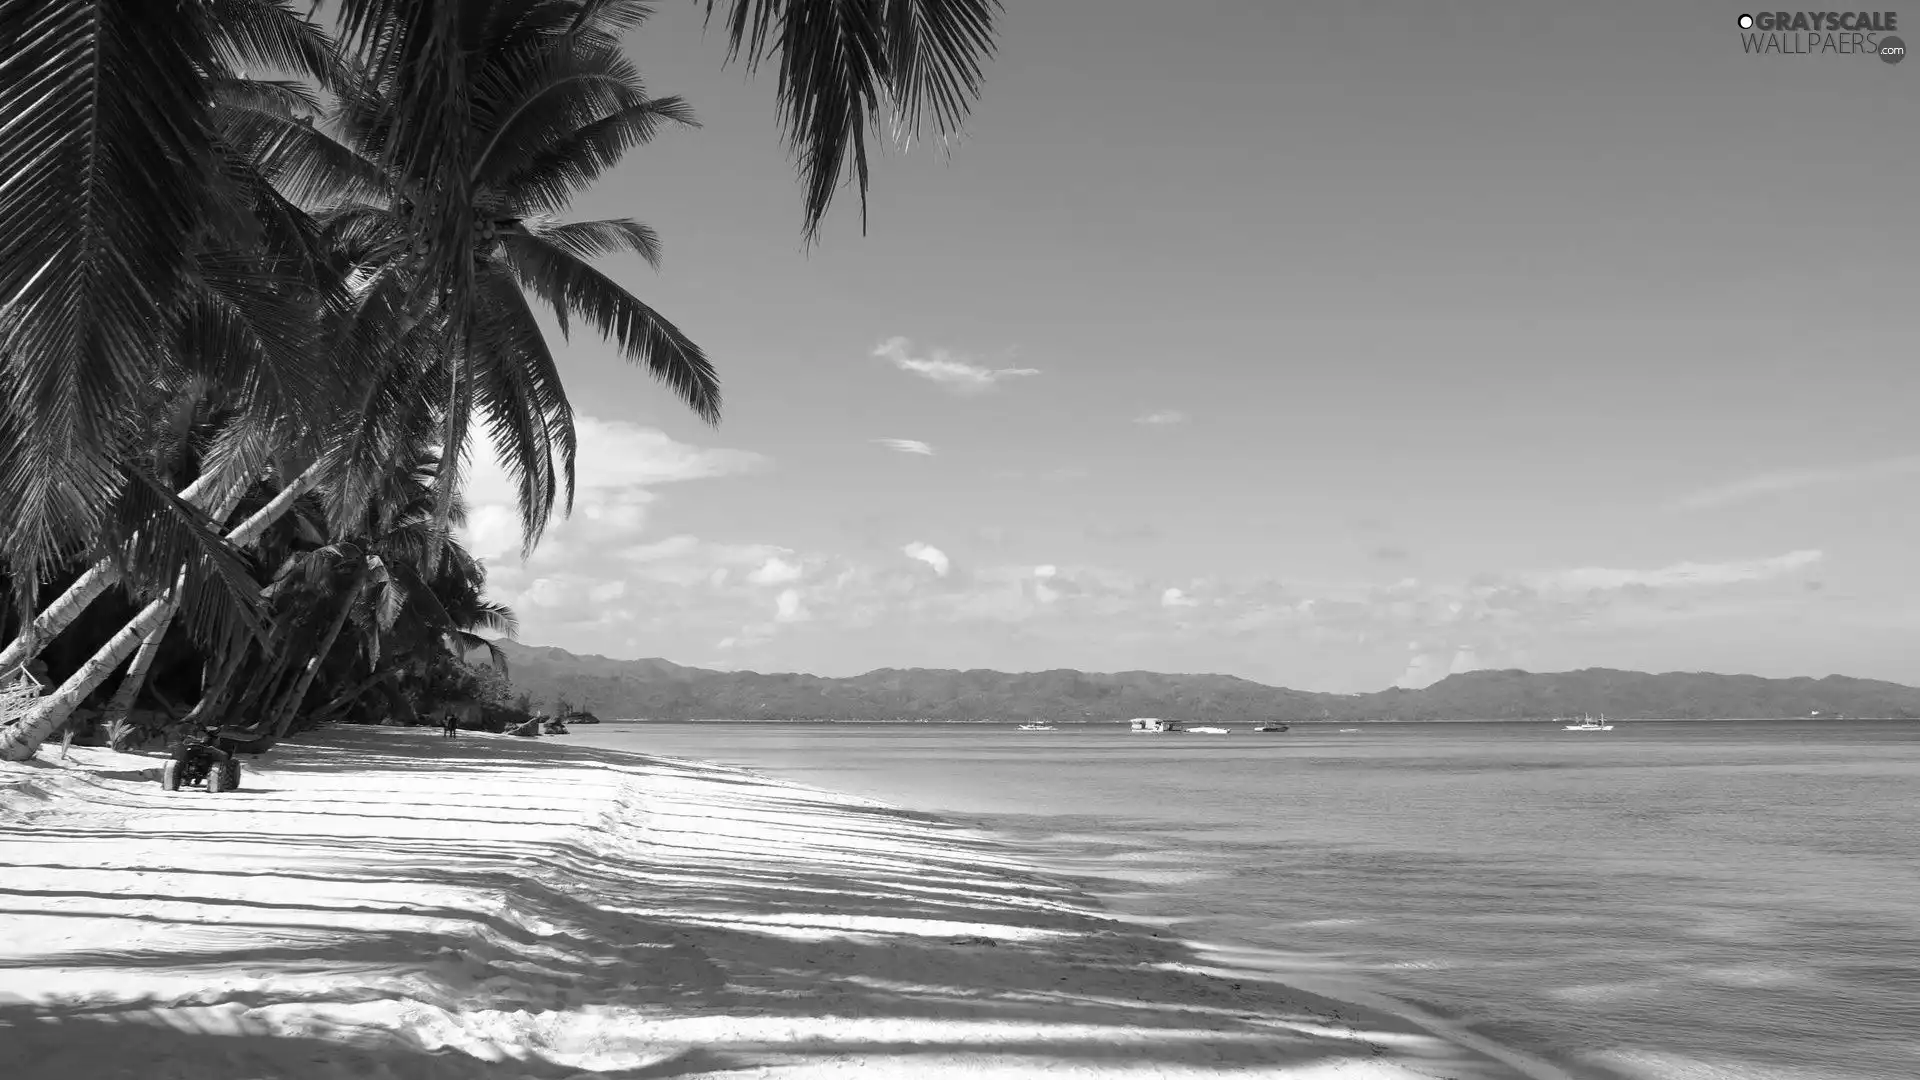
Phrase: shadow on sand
pixel 728 924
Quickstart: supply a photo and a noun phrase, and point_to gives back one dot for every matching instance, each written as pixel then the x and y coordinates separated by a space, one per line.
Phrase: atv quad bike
pixel 205 758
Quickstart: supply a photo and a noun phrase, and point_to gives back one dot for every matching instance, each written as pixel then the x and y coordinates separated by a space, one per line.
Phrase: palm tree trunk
pixel 102 575
pixel 57 617
pixel 20 740
pixel 136 676
pixel 289 706
pixel 341 701
pixel 265 684
pixel 218 685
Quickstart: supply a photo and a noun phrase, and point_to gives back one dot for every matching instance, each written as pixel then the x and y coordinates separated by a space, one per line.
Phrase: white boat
pixel 1154 724
pixel 1590 724
pixel 1344 730
pixel 1037 727
pixel 1209 731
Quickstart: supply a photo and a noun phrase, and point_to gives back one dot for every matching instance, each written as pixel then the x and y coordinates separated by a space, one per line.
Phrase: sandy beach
pixel 387 903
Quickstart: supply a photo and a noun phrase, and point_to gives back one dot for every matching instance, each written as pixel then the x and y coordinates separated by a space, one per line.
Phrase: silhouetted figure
pixel 451 725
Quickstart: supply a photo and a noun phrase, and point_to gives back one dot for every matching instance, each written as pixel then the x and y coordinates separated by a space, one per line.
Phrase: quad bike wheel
pixel 216 779
pixel 170 776
pixel 233 776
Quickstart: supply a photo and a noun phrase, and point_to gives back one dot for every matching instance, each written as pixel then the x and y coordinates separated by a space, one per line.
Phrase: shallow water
pixel 1665 901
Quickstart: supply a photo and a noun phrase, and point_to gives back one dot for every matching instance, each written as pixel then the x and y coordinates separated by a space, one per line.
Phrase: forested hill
pixel 660 690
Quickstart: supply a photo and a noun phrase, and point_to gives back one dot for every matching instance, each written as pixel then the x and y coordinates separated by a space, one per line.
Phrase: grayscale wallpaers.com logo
pixel 1804 33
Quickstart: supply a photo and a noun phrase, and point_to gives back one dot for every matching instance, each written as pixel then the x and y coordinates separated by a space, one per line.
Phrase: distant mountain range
pixel 660 690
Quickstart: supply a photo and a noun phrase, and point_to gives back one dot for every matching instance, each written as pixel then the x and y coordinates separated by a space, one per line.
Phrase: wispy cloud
pixel 1761 485
pixel 945 368
pixel 907 446
pixel 1162 418
pixel 930 555
pixel 1678 576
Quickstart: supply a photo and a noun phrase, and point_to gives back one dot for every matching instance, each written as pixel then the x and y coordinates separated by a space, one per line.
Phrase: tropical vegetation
pixel 263 275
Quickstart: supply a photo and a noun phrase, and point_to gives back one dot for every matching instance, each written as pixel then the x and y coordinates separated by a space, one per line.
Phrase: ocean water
pixel 1665 901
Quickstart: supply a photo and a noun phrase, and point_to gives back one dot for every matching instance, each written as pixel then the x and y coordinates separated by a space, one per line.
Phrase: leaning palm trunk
pixel 58 616
pixel 19 740
pixel 136 677
pixel 352 693
pixel 289 706
pixel 217 687
pixel 99 577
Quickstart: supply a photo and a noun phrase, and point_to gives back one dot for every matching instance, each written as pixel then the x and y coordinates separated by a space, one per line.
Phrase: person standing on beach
pixel 451 725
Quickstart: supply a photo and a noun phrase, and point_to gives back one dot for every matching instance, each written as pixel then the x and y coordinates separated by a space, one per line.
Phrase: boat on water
pixel 1038 727
pixel 1154 724
pixel 1590 724
pixel 1209 731
pixel 1345 730
pixel 1270 727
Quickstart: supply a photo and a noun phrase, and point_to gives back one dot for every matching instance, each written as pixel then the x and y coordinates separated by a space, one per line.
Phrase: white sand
pixel 380 903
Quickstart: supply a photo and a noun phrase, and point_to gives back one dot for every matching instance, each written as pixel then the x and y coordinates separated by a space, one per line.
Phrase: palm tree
pixel 110 210
pixel 233 328
pixel 551 104
pixel 467 115
pixel 152 231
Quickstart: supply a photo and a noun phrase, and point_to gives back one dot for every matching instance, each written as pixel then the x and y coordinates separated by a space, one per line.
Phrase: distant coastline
pixel 990 722
pixel 662 690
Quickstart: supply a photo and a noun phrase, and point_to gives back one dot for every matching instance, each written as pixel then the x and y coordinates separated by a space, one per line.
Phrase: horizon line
pixel 1213 674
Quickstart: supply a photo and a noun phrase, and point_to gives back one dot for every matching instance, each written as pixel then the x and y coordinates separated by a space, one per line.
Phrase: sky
pixel 1331 345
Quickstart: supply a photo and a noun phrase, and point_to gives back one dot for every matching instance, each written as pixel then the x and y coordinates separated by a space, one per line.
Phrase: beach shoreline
pixel 384 902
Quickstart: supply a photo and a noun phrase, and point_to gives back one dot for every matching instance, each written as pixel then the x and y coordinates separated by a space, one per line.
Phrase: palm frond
pixel 103 181
pixel 304 163
pixel 523 404
pixel 419 123
pixel 166 534
pixel 539 90
pixel 270 33
pixel 568 284
pixel 549 175
pixel 282 97
pixel 463 644
pixel 845 66
pixel 593 239
pixel 254 330
pixel 497 617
